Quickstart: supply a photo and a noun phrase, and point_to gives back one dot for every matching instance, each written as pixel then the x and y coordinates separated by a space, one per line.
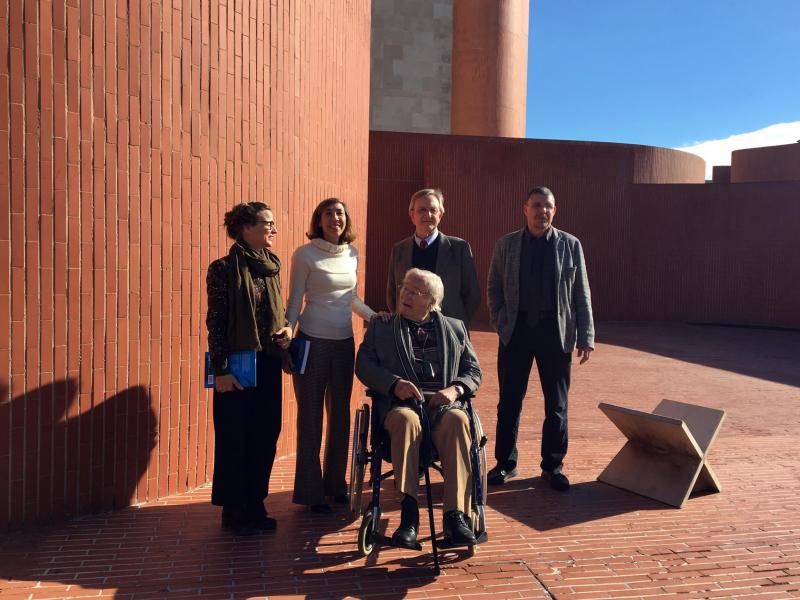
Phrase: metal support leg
pixel 435 547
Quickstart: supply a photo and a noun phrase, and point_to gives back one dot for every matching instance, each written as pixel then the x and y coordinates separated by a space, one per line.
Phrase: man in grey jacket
pixel 422 354
pixel 448 256
pixel 540 306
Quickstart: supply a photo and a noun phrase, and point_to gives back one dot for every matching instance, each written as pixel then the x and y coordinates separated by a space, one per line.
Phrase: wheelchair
pixel 365 428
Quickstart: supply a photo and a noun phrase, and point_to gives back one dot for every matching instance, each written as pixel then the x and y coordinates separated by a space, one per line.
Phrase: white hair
pixel 433 285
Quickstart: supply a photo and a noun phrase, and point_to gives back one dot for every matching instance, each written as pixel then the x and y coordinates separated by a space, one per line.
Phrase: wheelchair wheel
pixel 366 541
pixel 358 458
pixel 484 471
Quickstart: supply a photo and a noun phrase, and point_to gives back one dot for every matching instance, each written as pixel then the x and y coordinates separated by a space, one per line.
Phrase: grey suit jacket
pixel 575 322
pixel 454 264
pixel 386 355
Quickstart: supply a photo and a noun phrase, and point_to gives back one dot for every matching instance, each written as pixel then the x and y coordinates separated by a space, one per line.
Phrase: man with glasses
pixel 540 306
pixel 417 355
pixel 429 249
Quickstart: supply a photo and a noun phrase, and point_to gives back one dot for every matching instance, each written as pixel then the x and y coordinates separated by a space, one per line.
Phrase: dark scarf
pixel 244 263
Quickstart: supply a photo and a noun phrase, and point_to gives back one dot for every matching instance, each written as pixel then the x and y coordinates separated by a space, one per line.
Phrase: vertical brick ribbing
pixel 659 243
pixel 126 130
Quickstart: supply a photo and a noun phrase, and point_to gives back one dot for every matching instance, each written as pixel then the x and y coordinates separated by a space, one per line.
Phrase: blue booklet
pixel 298 350
pixel 241 365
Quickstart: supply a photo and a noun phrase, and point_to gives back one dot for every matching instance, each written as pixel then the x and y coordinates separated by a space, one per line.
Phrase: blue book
pixel 241 365
pixel 298 350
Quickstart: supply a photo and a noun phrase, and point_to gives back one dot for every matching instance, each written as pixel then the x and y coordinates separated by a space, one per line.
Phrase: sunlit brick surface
pixel 593 542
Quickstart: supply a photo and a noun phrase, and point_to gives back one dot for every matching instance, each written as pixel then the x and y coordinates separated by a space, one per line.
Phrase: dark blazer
pixel 575 322
pixel 386 355
pixel 454 264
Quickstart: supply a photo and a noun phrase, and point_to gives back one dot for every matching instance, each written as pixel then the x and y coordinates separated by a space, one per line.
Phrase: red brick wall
pixel 126 130
pixel 773 163
pixel 716 253
pixel 654 250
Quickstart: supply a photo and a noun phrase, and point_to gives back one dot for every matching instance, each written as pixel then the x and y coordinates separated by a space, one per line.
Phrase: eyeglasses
pixel 269 224
pixel 411 291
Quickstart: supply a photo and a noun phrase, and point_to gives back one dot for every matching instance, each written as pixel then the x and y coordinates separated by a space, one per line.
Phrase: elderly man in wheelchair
pixel 421 363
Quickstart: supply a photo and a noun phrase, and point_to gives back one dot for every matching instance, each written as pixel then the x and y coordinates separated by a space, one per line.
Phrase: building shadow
pixel 769 354
pixel 762 352
pixel 69 459
pixel 179 550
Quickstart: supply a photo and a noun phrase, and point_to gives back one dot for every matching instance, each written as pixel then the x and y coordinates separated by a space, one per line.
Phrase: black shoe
pixel 227 517
pixel 457 530
pixel 258 517
pixel 264 523
pixel 321 509
pixel 237 521
pixel 558 481
pixel 498 475
pixel 406 535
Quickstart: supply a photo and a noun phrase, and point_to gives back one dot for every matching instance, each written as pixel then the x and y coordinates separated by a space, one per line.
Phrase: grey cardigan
pixel 386 355
pixel 574 301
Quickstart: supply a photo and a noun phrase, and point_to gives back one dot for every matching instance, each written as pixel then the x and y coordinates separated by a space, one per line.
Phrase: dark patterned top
pixel 217 315
pixel 424 344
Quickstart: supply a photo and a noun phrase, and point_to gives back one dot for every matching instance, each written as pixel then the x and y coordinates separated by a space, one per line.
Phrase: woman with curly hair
pixel 246 312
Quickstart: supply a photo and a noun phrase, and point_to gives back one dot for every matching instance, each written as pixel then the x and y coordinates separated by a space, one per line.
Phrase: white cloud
pixel 718 152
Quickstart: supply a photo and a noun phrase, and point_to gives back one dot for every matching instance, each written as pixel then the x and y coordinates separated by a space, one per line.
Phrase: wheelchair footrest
pixel 385 540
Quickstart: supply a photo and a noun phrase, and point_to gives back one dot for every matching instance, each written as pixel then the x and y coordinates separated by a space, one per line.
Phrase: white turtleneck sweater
pixel 325 274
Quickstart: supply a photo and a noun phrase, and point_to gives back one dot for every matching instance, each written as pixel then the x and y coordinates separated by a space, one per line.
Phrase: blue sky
pixel 663 72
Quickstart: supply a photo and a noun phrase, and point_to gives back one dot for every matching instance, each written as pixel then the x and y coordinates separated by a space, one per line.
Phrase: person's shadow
pixel 166 550
pixel 534 504
pixel 94 459
pixel 69 457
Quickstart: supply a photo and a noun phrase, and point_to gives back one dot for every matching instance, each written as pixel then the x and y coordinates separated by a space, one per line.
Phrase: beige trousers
pixel 451 437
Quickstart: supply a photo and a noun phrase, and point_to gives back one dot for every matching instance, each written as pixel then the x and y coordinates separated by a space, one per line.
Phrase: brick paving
pixel 593 542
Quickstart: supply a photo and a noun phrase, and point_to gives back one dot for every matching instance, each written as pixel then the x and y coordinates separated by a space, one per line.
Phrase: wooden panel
pixel 668 478
pixel 656 433
pixel 661 459
pixel 703 422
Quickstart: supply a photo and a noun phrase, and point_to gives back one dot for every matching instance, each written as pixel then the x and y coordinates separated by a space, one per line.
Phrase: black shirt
pixel 537 277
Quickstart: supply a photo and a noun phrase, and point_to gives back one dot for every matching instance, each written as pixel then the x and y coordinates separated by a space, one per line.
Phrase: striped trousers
pixel 326 384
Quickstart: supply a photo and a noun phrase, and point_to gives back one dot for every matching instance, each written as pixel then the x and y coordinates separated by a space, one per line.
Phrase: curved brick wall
pixel 126 129
pixel 654 249
pixel 773 163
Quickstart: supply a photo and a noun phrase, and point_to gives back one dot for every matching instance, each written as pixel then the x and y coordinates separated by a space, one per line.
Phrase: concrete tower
pixel 490 63
pixel 449 66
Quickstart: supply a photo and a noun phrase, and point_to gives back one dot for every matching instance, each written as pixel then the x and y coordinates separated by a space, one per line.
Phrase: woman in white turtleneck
pixel 324 272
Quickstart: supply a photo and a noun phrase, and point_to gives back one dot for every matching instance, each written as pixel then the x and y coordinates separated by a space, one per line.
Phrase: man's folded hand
pixel 405 390
pixel 446 396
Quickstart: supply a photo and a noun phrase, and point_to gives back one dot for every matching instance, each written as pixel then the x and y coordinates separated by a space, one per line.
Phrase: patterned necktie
pixel 423 244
